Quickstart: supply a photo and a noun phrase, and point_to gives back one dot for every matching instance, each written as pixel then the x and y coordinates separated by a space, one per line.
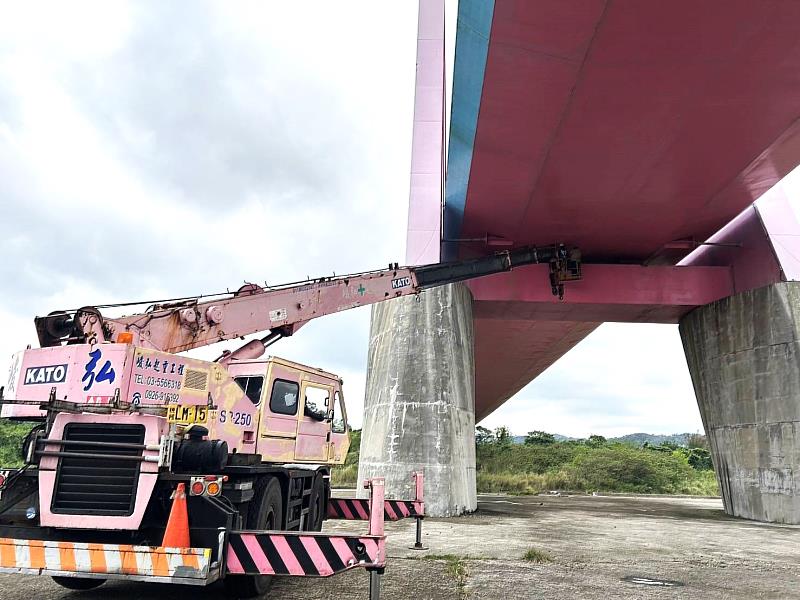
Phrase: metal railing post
pixel 418 543
pixel 419 489
pixel 375 584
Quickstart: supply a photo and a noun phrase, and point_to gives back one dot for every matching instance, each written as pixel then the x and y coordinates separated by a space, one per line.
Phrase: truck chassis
pixel 230 552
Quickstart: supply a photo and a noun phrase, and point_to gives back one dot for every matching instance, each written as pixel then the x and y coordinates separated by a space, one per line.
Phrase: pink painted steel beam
pixel 427 154
pixel 509 354
pixel 621 126
pixel 623 293
pixel 762 244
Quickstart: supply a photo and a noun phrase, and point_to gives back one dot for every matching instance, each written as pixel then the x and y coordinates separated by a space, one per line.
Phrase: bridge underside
pixel 629 129
pixel 637 132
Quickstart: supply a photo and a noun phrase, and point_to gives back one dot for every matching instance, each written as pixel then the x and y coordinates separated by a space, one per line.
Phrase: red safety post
pixel 375 487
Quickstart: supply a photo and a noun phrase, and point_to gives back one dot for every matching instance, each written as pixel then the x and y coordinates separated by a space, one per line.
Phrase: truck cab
pixel 300 411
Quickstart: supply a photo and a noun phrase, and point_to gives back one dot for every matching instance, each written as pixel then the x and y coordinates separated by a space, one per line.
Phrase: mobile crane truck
pixel 147 464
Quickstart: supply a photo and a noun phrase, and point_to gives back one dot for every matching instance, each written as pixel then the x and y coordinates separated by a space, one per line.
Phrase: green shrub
pixel 537 556
pixel 505 467
pixel 346 476
pixel 11 436
pixel 623 468
pixel 702 483
pixel 526 458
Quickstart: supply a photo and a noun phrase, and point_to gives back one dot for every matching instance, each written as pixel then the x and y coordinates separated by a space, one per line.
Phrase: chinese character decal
pixel 106 373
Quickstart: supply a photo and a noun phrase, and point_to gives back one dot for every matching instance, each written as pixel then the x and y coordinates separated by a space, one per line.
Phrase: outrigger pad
pixel 304 555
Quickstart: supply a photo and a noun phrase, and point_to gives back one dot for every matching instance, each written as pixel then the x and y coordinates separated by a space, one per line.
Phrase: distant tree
pixel 539 438
pixel 595 441
pixel 699 459
pixel 667 447
pixel 483 436
pixel 502 436
pixel 697 440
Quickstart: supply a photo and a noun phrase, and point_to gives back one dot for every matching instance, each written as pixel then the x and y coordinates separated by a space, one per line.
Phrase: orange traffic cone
pixel 177 532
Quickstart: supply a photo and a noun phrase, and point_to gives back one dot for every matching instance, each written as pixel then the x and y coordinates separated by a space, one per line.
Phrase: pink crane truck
pixel 149 465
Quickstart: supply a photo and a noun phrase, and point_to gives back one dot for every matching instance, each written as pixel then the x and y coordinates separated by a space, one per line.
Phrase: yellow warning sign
pixel 187 413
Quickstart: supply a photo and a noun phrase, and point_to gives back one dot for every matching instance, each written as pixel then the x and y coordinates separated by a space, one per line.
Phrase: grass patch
pixel 456 567
pixel 445 557
pixel 537 556
pixel 704 483
pixel 345 476
pixel 521 483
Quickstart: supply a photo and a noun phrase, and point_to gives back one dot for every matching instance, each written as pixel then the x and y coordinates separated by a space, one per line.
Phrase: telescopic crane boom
pixel 196 322
pixel 129 428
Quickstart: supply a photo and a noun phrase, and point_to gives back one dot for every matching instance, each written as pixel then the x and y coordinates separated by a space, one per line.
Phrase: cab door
pixel 313 424
pixel 279 414
pixel 340 432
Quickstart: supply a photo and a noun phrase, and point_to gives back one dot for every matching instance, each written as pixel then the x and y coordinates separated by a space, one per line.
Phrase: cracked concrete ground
pixel 595 543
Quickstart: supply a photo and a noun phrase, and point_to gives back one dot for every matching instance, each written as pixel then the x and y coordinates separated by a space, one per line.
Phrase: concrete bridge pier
pixel 419 410
pixel 744 357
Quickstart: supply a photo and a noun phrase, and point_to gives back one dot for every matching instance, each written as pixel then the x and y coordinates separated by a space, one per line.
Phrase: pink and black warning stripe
pixel 301 555
pixel 357 509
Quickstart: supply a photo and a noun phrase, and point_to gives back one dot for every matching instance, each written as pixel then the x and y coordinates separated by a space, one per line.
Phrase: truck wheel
pixel 265 513
pixel 318 505
pixel 78 583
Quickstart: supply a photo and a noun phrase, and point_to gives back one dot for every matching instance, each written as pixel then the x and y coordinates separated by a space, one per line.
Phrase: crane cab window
pixel 337 424
pixel 283 400
pixel 251 385
pixel 317 401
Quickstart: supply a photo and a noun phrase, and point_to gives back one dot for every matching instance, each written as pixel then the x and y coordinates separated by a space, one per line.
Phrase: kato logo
pixel 401 282
pixel 46 374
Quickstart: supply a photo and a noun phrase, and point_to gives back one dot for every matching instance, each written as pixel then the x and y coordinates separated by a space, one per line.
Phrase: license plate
pixel 187 413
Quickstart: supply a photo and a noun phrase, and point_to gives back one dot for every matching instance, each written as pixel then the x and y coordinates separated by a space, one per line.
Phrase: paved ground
pixel 595 544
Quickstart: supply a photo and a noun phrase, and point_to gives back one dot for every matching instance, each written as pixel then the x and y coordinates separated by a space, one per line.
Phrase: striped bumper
pixel 305 555
pixel 34 557
pixel 357 509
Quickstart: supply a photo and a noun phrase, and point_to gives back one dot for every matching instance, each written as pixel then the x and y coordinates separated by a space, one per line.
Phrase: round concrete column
pixel 744 357
pixel 419 410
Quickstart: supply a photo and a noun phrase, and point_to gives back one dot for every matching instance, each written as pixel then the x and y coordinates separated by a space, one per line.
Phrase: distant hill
pixel 637 439
pixel 680 439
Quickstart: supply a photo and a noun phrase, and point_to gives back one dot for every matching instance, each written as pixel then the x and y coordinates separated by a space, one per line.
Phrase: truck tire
pixel 78 583
pixel 265 512
pixel 319 505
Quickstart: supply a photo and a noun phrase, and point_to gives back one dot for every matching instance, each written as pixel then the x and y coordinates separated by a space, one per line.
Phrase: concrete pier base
pixel 419 410
pixel 744 357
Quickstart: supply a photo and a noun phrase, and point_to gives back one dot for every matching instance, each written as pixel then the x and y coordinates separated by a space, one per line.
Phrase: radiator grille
pixel 196 380
pixel 98 486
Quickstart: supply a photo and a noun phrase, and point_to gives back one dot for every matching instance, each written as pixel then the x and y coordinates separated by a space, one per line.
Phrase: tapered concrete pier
pixel 744 358
pixel 419 411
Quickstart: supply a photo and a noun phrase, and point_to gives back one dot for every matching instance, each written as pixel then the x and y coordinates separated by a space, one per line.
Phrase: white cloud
pixel 622 378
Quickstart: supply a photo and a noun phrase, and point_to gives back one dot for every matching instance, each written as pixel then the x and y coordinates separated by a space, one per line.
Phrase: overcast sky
pixel 152 150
